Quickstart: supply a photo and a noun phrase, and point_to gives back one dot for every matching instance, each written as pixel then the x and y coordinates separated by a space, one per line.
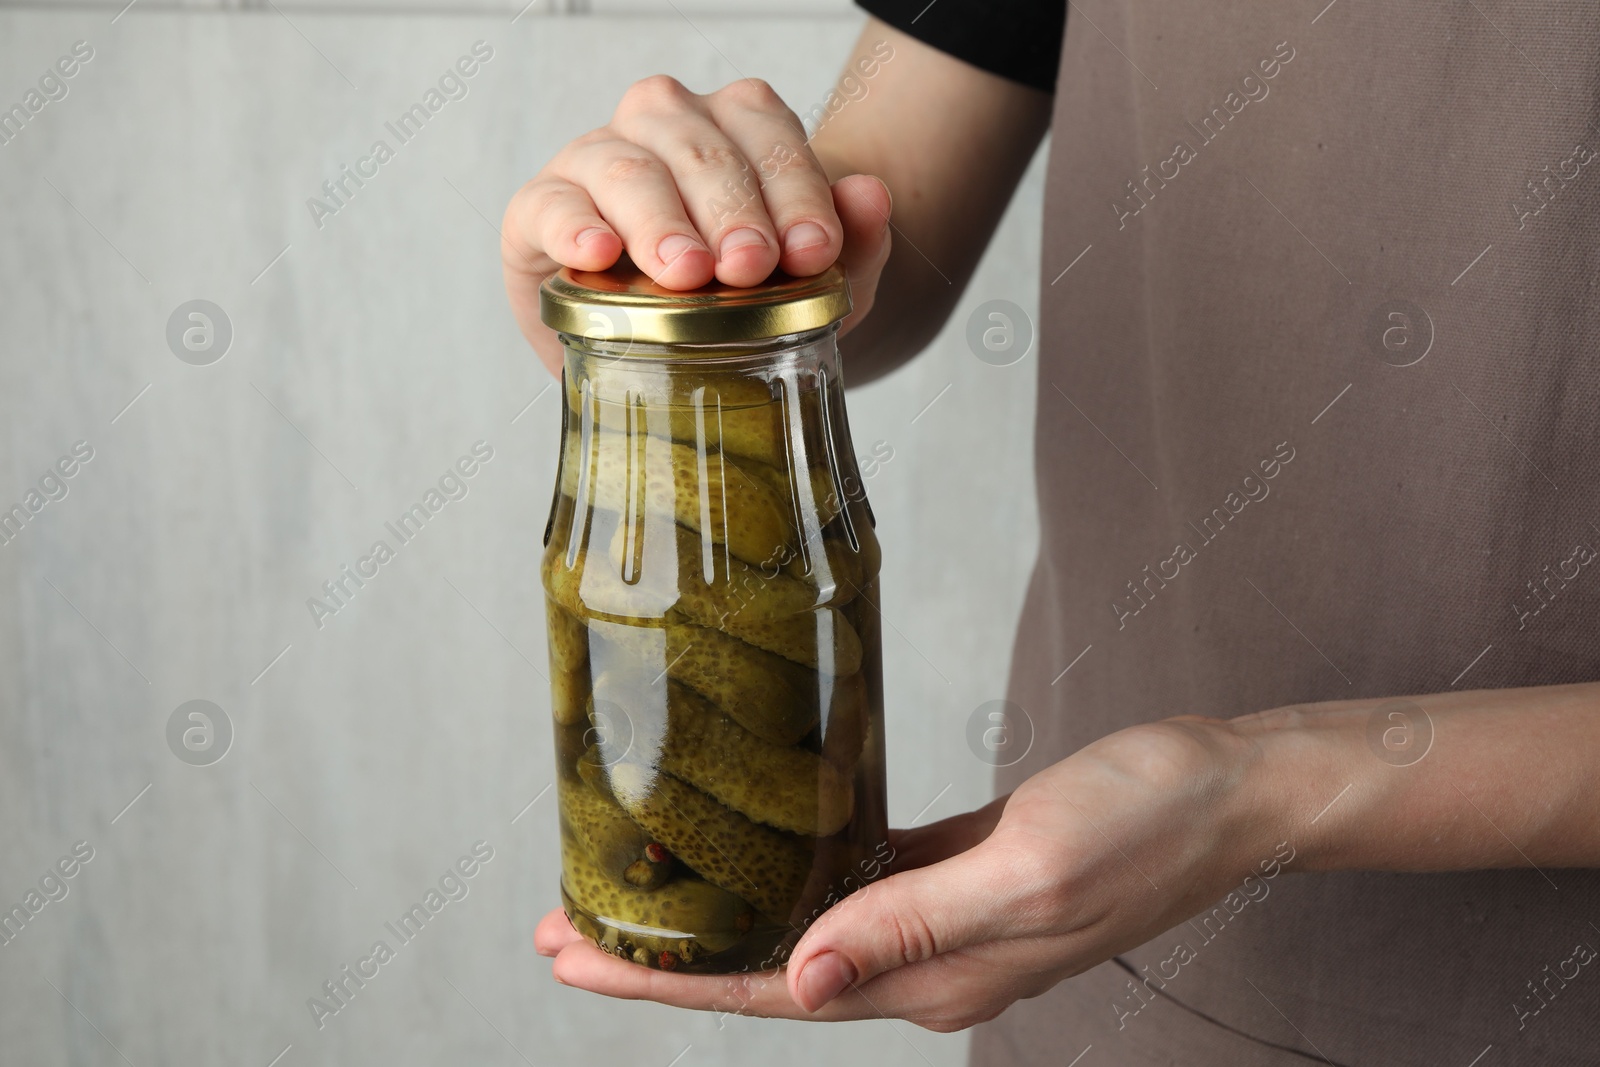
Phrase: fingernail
pixel 824 978
pixel 804 235
pixel 590 234
pixel 743 237
pixel 676 247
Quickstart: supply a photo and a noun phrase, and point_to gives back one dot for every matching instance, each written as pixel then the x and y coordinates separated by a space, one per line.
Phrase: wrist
pixel 1250 827
pixel 1306 788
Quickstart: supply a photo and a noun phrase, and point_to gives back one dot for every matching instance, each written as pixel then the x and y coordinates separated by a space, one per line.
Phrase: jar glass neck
pixel 810 351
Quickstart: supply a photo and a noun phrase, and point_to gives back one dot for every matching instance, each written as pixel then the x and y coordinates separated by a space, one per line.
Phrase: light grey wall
pixel 366 357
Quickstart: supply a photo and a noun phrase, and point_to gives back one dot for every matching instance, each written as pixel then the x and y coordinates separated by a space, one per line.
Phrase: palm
pixel 1090 857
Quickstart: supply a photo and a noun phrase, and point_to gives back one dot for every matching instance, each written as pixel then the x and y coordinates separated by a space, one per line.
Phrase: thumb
pixel 906 918
pixel 863 204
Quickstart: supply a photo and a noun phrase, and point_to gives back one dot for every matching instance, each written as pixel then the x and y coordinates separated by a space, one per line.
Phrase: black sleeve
pixel 1016 39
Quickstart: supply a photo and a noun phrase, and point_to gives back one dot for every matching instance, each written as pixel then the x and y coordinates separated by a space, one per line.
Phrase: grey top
pixel 1357 242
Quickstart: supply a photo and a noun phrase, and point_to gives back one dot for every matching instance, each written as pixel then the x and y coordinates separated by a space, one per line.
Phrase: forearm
pixel 951 143
pixel 1510 778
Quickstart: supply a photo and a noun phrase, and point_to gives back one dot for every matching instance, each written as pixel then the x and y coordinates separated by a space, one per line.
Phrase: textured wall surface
pixel 367 354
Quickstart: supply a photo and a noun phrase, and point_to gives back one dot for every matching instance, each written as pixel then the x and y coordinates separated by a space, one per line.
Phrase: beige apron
pixel 1357 245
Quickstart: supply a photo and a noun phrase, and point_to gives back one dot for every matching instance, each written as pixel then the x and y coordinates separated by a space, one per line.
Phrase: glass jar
pixel 711 579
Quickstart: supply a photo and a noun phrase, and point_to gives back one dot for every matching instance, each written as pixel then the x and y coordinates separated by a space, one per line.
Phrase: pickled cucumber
pixel 777 613
pixel 586 591
pixel 712 493
pixel 825 496
pixel 569 656
pixel 569 695
pixel 714 917
pixel 618 845
pixel 833 567
pixel 823 639
pixel 766 867
pixel 738 414
pixel 770 696
pixel 845 731
pixel 709 584
pixel 789 788
pixel 569 645
pixel 864 615
pixel 747 436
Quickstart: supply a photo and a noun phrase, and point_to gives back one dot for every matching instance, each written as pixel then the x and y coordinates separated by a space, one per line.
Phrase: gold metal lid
pixel 623 304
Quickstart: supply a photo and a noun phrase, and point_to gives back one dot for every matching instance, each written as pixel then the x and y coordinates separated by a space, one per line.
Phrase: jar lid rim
pixel 622 303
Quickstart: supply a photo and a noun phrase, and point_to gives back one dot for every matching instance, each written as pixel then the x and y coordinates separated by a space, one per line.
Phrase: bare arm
pixel 951 142
pixel 1440 782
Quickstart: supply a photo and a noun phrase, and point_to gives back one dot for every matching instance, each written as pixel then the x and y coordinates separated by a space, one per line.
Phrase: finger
pixel 863 205
pixel 908 918
pixel 949 992
pixel 788 180
pixel 549 223
pixel 765 995
pixel 552 217
pixel 959 989
pixel 718 186
pixel 637 197
pixel 554 933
